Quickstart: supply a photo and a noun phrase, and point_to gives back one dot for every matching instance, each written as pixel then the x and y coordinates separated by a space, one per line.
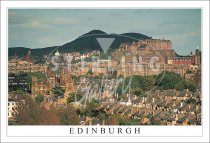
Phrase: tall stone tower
pixel 197 56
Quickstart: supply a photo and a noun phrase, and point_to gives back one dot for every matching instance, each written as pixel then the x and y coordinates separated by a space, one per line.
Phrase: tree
pixel 99 76
pixel 48 117
pixel 39 98
pixel 71 97
pixel 81 112
pixel 27 112
pixel 75 78
pixel 144 82
pixel 188 72
pixel 189 85
pixel 58 91
pixel 102 116
pixel 68 116
pixel 90 72
pixel 91 108
pixel 119 89
pixel 138 91
pixel 166 80
pixel 39 75
pixel 19 92
pixel 191 100
pixel 171 80
pixel 112 121
pixel 19 95
pixel 30 113
pixel 155 122
pixel 179 85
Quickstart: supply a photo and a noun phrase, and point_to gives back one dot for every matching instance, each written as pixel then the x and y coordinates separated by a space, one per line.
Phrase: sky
pixel 39 28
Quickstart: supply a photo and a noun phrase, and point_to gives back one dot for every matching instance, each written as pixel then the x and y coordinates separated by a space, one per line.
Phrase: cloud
pixel 62 21
pixel 187 35
pixel 41 24
pixel 32 22
pixel 193 34
pixel 12 14
pixel 35 24
pixel 17 19
pixel 49 41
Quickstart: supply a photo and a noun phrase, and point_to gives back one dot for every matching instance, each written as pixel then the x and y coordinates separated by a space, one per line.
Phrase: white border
pixel 146 130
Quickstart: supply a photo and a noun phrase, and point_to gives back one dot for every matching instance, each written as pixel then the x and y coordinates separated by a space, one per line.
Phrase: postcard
pixel 127 72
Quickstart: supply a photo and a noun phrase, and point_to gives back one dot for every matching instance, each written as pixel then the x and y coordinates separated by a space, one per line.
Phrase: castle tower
pixel 197 56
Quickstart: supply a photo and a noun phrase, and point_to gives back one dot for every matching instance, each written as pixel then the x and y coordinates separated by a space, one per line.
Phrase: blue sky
pixel 39 28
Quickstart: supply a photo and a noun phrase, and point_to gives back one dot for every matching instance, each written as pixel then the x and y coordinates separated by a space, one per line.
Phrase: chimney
pixel 158 92
pixel 189 106
pixel 174 103
pixel 143 99
pixel 196 107
pixel 153 100
pixel 90 122
pixel 176 117
pixel 181 104
pixel 177 93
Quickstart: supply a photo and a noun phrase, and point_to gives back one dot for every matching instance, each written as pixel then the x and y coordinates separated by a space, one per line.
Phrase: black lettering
pixel 71 130
pixel 119 130
pixel 128 130
pixel 137 130
pixel 80 130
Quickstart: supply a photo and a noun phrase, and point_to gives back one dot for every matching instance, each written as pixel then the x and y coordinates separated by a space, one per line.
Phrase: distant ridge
pixel 84 43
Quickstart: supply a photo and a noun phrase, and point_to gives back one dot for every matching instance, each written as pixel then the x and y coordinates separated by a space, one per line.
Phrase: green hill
pixel 85 43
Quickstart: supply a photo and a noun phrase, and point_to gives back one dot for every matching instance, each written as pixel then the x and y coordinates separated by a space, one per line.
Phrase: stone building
pixel 20 66
pixel 40 87
pixel 197 57
pixel 144 56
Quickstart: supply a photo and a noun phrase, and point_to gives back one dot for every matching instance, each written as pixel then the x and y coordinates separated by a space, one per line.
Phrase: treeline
pixel 39 75
pixel 171 80
pixel 163 81
pixel 31 112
